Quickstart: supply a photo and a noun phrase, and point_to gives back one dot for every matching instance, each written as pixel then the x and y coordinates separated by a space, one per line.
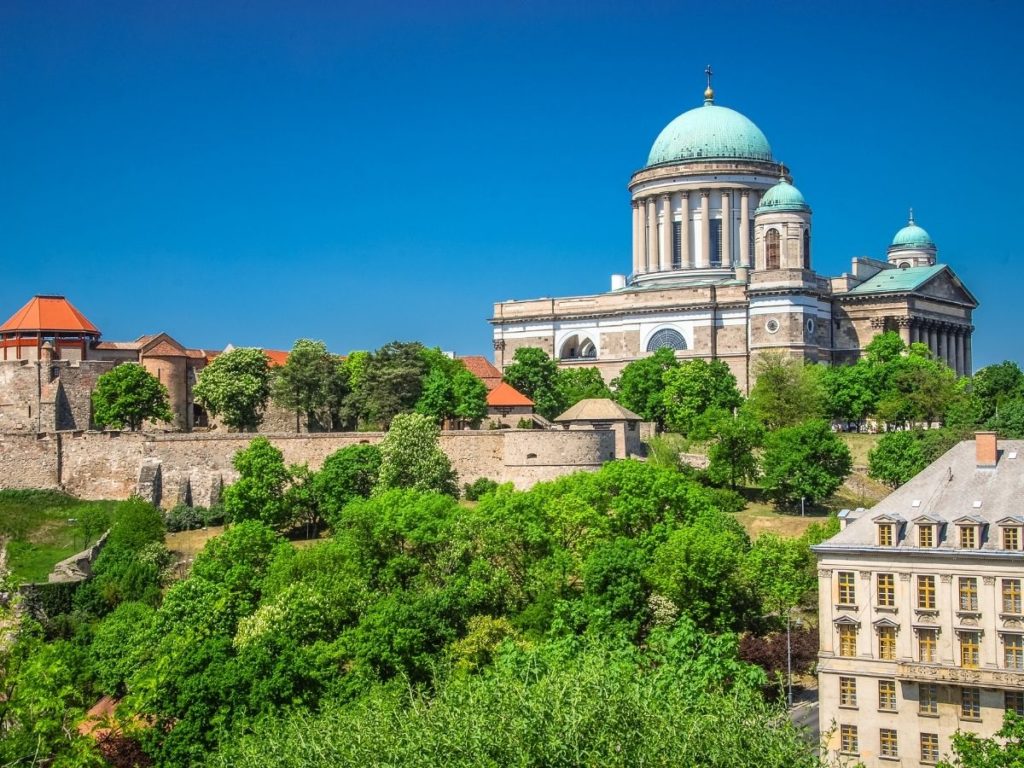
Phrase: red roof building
pixel 482 368
pixel 506 396
pixel 45 319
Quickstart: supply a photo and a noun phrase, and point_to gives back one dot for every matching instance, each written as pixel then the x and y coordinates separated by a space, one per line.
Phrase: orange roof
pixel 505 395
pixel 482 368
pixel 165 349
pixel 277 357
pixel 49 314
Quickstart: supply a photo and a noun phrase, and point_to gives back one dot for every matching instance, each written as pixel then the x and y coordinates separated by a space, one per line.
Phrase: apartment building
pixel 921 615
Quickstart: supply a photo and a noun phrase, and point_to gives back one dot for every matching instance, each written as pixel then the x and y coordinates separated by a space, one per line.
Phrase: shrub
pixel 727 500
pixel 473 491
pixel 183 518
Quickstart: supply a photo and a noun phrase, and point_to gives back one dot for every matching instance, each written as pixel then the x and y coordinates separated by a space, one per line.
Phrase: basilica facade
pixel 722 269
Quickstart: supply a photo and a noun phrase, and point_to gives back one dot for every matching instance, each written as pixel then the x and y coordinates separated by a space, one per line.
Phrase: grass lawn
pixel 42 529
pixel 859 445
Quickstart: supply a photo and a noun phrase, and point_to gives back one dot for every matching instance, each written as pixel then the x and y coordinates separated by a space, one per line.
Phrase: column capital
pixel 705 194
pixel 636 202
pixel 684 193
pixel 744 193
pixel 666 195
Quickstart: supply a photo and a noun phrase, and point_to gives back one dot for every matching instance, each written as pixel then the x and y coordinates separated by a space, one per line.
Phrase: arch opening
pixel 666 338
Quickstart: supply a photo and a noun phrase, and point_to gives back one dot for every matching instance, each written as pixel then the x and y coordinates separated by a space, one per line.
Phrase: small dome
pixel 912 236
pixel 783 197
pixel 710 131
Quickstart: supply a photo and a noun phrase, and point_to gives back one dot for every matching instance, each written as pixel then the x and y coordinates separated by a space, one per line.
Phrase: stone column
pixel 704 252
pixel 968 362
pixel 636 237
pixel 903 324
pixel 652 234
pixel 745 228
pixel 960 352
pixel 914 333
pixel 947 337
pixel 931 338
pixel 641 221
pixel 726 227
pixel 685 257
pixel 665 263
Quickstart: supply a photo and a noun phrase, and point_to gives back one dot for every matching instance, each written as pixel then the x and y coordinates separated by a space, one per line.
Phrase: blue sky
pixel 259 172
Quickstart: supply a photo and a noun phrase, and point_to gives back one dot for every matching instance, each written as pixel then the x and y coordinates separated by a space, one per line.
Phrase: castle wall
pixel 194 467
pixel 19 396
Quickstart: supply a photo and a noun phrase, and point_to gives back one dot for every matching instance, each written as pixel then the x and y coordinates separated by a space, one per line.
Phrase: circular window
pixel 772 325
pixel 810 325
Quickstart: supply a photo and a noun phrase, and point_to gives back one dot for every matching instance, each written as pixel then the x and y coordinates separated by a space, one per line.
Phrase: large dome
pixel 710 131
pixel 912 236
pixel 782 197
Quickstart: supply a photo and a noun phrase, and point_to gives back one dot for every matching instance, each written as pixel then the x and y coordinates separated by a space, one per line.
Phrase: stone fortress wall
pixel 192 468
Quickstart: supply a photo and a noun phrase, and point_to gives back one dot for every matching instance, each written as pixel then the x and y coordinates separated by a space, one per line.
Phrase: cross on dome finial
pixel 709 94
pixel 910 219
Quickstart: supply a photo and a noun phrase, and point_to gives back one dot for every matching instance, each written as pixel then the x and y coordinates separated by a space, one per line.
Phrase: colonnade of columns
pixel 949 341
pixel 653 237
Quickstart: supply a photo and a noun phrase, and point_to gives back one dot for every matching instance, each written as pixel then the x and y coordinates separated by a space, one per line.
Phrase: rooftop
pixel 506 396
pixel 598 409
pixel 956 488
pixel 899 280
pixel 482 368
pixel 49 314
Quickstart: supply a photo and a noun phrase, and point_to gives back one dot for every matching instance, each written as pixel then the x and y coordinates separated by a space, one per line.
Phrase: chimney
pixel 987 449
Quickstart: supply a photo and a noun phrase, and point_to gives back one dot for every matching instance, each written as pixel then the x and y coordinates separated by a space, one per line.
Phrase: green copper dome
pixel 783 197
pixel 912 236
pixel 710 132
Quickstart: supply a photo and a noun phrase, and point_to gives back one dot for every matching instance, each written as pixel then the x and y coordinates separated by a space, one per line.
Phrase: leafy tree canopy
pixel 347 474
pixel 312 381
pixel 575 384
pixel 128 396
pixel 694 388
pixel 806 461
pixel 787 392
pixel 641 385
pixel 411 458
pixel 391 382
pixel 897 457
pixel 235 387
pixel 536 375
pixel 259 492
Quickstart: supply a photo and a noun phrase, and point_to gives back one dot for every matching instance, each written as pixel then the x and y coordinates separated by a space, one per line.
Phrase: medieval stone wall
pixel 192 468
pixel 19 396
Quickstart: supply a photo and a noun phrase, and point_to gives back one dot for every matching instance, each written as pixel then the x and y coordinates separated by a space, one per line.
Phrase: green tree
pixel 694 388
pixel 391 382
pixel 896 458
pixel 311 382
pixel 470 396
pixel 885 348
pixel 731 457
pixel 128 396
pixel 786 392
pixel 411 458
pixel 259 491
pixel 235 387
pixel 997 384
pixel 118 644
pixel 575 384
pixel 535 374
pixel 1004 750
pixel 916 388
pixel 641 385
pixel 438 397
pixel 807 461
pixel 781 572
pixel 347 474
pixel 850 392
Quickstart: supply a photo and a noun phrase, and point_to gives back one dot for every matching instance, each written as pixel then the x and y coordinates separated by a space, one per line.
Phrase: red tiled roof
pixel 49 313
pixel 505 396
pixel 482 368
pixel 128 345
pixel 277 357
pixel 165 349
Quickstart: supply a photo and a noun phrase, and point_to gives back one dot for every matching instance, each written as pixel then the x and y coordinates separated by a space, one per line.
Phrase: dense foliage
pixel 1005 750
pixel 235 387
pixel 128 396
pixel 313 382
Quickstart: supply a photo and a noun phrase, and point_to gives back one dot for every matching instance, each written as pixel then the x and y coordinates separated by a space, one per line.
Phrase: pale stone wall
pixel 192 468
pixel 19 396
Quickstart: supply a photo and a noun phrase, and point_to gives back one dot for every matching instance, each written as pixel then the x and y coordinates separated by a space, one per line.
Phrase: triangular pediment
pixel 945 285
pixel 162 345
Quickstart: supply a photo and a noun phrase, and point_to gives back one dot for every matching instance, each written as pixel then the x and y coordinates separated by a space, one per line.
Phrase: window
pixel 666 338
pixel 926 536
pixel 969 536
pixel 847 588
pixel 677 243
pixel 887 695
pixel 1013 651
pixel 926 644
pixel 968 594
pixel 716 242
pixel 926 592
pixel 970 702
pixel 807 249
pixel 1011 538
pixel 969 649
pixel 929 747
pixel 771 249
pixel 1011 595
pixel 885 536
pixel 887 743
pixel 847 692
pixel 928 699
pixel 1014 701
pixel 847 640
pixel 886 590
pixel 887 643
pixel 848 739
pixel 750 229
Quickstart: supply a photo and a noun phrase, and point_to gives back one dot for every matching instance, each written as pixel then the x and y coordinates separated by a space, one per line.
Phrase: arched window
pixel 807 249
pixel 771 249
pixel 576 347
pixel 666 338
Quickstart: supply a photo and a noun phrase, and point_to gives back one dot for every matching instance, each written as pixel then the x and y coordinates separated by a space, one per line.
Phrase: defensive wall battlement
pixel 192 468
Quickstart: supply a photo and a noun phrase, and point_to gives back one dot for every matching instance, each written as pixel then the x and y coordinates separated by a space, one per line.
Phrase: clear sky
pixel 256 172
